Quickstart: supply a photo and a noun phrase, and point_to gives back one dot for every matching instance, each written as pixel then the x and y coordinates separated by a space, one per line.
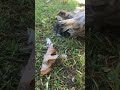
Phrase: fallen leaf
pixel 50 58
pixel 43 72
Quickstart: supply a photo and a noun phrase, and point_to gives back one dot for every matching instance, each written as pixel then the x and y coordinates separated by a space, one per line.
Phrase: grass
pixel 102 55
pixel 13 28
pixel 60 78
pixel 102 62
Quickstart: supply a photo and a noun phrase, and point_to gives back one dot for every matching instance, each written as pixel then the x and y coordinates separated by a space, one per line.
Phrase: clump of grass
pixel 66 74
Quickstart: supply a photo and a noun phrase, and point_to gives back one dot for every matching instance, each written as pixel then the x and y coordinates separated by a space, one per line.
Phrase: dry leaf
pixel 43 72
pixel 49 59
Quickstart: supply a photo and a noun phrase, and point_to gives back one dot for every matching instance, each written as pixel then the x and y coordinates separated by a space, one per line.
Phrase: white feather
pixel 48 41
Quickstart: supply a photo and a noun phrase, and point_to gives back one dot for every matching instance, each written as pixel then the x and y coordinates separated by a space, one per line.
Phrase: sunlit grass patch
pixel 66 74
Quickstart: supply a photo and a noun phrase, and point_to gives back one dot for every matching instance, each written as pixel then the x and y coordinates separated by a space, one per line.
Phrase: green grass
pixel 103 61
pixel 60 78
pixel 103 57
pixel 13 24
